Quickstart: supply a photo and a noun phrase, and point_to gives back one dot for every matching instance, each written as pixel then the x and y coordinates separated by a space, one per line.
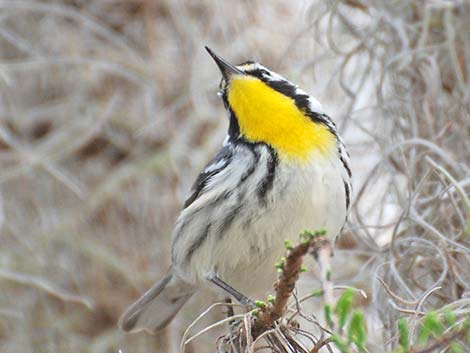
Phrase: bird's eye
pixel 265 73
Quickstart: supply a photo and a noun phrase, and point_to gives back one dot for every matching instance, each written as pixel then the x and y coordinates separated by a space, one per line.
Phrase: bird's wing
pixel 214 167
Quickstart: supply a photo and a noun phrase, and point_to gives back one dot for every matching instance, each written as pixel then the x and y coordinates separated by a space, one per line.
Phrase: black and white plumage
pixel 244 204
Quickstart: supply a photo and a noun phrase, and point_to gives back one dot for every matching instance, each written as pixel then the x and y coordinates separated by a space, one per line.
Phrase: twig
pixel 47 286
pixel 185 340
pixel 289 274
pixel 320 344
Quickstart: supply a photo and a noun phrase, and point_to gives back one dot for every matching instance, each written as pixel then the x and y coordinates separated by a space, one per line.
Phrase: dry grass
pixel 108 110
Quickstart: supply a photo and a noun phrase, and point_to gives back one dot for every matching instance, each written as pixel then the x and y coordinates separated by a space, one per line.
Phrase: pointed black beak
pixel 225 67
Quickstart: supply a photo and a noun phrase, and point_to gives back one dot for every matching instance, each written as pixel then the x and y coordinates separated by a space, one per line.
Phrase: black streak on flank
pixel 224 157
pixel 345 165
pixel 268 180
pixel 347 192
pixel 251 169
pixel 208 207
pixel 235 210
pixel 197 243
pixel 227 222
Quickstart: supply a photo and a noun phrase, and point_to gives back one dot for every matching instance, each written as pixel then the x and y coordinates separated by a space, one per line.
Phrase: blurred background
pixel 108 110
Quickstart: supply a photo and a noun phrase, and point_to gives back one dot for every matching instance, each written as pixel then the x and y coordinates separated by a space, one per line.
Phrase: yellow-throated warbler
pixel 282 168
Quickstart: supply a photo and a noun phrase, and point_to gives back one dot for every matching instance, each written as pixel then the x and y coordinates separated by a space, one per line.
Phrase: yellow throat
pixel 266 115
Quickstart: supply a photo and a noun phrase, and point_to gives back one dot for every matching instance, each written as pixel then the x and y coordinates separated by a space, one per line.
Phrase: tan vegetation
pixel 108 111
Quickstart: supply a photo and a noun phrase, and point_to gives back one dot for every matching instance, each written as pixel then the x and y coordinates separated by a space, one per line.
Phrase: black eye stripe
pixel 259 73
pixel 265 72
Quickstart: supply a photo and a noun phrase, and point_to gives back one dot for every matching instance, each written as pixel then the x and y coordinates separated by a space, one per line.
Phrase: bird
pixel 282 168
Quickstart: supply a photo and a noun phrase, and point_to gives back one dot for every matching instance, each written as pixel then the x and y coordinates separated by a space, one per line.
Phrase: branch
pixel 290 268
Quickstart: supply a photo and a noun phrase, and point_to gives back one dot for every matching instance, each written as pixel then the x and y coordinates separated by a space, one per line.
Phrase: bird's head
pixel 265 107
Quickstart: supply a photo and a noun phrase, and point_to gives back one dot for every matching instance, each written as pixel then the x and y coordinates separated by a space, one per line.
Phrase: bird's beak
pixel 225 67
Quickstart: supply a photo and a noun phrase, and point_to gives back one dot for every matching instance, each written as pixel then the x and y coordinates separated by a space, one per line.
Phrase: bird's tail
pixel 157 307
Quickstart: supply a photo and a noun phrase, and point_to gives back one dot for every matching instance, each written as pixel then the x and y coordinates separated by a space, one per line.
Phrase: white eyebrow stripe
pixel 248 67
pixel 313 104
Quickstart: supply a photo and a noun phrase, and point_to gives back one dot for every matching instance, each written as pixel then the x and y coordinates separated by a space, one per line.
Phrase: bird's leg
pixel 230 312
pixel 240 297
pixel 232 324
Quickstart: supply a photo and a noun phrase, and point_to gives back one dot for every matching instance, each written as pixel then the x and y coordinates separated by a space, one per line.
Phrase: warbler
pixel 282 168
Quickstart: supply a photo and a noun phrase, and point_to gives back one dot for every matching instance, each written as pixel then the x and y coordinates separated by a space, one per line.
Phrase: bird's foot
pixel 239 297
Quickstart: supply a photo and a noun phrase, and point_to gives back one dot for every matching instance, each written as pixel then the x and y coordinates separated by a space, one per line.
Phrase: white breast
pixel 308 197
